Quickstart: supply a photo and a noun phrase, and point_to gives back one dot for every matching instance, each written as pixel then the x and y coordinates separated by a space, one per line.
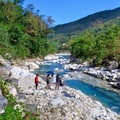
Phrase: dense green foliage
pixel 58 41
pixel 101 43
pixel 23 33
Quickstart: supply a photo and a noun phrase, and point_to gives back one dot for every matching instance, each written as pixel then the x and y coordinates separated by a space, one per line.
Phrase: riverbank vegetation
pixel 101 43
pixel 23 32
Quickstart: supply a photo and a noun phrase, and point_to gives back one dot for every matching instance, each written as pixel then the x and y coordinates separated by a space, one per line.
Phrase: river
pixel 95 88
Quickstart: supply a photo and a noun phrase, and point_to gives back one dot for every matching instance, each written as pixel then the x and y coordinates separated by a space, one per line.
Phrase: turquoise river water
pixel 108 98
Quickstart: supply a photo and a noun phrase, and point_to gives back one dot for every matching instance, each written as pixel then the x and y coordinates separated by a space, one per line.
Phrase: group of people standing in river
pixel 49 78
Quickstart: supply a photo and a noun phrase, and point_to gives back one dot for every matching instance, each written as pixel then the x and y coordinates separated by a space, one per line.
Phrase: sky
pixel 65 11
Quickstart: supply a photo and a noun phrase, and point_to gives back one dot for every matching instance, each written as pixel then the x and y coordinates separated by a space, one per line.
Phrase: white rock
pixel 17 72
pixel 50 57
pixel 12 90
pixel 2 111
pixel 32 65
pixel 26 82
pixel 57 101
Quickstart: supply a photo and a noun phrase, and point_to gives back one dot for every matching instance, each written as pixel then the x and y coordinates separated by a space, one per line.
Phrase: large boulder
pixel 50 57
pixel 26 82
pixel 32 65
pixel 2 61
pixel 17 73
pixel 113 65
pixel 4 73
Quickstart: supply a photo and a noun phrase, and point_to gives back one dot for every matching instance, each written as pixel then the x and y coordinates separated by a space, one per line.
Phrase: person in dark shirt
pixel 57 82
pixel 48 81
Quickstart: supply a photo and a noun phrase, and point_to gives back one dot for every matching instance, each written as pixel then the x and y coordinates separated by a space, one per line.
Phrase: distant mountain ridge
pixel 87 22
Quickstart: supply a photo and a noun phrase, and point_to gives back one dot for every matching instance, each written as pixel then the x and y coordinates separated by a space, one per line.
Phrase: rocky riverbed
pixel 63 104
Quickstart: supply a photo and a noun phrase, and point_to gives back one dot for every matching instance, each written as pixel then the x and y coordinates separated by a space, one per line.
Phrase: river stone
pixel 2 111
pixel 32 65
pixel 4 73
pixel 2 61
pixel 12 90
pixel 3 103
pixel 113 65
pixel 57 101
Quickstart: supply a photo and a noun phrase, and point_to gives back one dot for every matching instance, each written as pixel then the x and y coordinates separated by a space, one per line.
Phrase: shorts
pixel 48 82
pixel 36 84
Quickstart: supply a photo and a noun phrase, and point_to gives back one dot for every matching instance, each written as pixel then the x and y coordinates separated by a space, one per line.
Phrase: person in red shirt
pixel 36 81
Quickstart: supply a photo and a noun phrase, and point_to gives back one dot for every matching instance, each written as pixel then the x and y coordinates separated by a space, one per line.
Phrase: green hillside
pixel 101 43
pixel 87 22
pixel 67 32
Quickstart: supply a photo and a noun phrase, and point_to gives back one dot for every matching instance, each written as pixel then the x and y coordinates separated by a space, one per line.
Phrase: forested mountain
pixel 87 22
pixel 66 32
